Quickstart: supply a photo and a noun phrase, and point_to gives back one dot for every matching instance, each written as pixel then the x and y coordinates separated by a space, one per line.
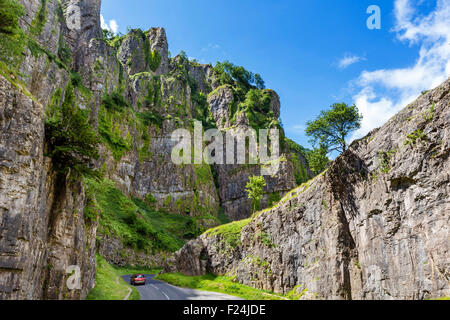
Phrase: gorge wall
pixel 135 96
pixel 375 225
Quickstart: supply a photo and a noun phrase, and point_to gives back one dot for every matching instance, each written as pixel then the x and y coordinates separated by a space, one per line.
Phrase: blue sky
pixel 313 53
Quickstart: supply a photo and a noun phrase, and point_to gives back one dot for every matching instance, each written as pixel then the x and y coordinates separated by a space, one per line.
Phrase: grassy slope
pixel 110 286
pixel 219 284
pixel 136 224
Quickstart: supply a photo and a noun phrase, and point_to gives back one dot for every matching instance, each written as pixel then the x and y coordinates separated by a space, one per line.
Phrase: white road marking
pixel 165 295
pixel 155 287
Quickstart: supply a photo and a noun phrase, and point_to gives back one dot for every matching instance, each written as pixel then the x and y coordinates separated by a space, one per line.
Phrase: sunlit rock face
pixel 375 225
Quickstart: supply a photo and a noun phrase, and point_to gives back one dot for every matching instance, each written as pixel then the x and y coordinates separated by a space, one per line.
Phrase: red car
pixel 137 279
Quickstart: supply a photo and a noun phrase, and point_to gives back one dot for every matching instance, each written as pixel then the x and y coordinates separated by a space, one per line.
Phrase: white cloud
pixel 297 129
pixel 113 26
pixel 211 46
pixel 348 60
pixel 382 93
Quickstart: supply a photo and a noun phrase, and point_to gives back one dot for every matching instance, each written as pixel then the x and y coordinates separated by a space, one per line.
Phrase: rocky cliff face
pixel 43 229
pixel 136 96
pixel 375 225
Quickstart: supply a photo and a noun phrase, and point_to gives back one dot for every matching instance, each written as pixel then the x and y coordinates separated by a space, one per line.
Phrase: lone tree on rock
pixel 333 126
pixel 255 190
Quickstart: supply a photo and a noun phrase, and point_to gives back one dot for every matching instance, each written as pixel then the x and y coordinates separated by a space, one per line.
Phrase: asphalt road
pixel 157 290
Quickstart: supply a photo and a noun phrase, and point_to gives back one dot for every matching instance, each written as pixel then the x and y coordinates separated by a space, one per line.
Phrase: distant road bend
pixel 157 290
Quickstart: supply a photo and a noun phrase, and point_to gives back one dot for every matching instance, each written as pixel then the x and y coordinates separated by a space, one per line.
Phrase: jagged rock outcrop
pixel 375 225
pixel 145 52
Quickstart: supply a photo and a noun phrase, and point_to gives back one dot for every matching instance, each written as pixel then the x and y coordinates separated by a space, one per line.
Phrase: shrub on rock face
pixel 255 190
pixel 10 11
pixel 12 37
pixel 71 141
pixel 115 101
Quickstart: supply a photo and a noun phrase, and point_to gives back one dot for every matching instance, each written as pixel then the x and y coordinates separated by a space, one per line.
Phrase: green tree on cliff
pixel 255 190
pixel 331 129
pixel 317 159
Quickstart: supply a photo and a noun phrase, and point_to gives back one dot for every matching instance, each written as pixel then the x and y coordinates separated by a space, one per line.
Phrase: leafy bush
pixel 154 60
pixel 414 137
pixel 71 141
pixel 202 111
pixel 150 199
pixel 255 190
pixel 257 108
pixel 149 118
pixel 76 79
pixel 10 11
pixel 115 101
pixel 318 160
pixel 228 73
pixel 153 97
pixel 110 132
pixel 274 198
pixel 12 37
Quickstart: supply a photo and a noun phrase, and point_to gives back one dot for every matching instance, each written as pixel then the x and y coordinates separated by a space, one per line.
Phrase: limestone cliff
pixel 135 95
pixel 375 225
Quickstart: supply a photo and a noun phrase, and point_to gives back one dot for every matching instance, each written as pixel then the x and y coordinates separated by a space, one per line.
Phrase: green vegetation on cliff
pixel 136 223
pixel 255 190
pixel 228 73
pixel 12 37
pixel 111 115
pixel 37 25
pixel 10 11
pixel 71 141
pixel 229 233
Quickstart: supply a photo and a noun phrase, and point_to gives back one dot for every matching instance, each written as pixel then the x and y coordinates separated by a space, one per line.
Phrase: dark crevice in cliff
pixel 59 187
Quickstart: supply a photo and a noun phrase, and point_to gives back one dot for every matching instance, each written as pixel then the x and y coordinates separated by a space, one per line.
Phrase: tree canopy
pixel 331 129
pixel 255 190
pixel 228 73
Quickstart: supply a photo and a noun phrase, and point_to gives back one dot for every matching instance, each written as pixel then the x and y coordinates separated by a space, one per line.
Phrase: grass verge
pixel 220 284
pixel 110 286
